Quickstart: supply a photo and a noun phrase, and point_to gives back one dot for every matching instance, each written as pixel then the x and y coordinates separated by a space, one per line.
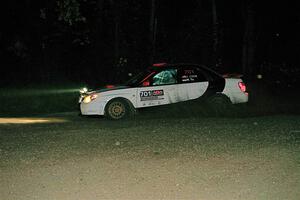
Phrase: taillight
pixel 242 86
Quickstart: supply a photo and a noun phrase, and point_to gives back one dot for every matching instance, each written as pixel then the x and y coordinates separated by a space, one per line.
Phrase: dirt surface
pixel 187 158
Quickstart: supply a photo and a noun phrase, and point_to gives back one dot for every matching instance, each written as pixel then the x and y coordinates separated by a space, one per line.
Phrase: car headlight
pixel 83 90
pixel 89 98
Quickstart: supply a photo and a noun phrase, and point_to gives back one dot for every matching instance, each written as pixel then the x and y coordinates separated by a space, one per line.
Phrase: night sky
pixel 38 46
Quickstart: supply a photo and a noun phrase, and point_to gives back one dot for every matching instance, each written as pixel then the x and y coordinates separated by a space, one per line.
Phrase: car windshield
pixel 137 78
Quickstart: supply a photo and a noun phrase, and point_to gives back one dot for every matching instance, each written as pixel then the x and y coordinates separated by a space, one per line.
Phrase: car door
pixel 159 89
pixel 192 83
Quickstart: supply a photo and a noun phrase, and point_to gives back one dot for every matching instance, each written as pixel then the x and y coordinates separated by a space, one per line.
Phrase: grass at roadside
pixel 38 100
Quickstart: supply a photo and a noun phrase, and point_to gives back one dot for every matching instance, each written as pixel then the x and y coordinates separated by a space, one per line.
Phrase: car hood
pixel 109 88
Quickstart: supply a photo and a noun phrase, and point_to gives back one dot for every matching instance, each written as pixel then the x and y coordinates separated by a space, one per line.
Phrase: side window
pixel 190 75
pixel 165 77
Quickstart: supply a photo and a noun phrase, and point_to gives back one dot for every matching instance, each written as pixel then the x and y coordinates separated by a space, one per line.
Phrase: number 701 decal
pixel 151 95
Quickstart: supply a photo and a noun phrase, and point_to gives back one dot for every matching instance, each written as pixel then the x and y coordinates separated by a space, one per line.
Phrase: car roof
pixel 178 65
pixel 161 66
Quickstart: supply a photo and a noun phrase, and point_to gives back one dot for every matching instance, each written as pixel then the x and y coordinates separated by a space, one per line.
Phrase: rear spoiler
pixel 232 75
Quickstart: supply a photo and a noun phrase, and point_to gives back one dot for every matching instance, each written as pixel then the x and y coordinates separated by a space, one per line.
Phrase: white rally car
pixel 163 84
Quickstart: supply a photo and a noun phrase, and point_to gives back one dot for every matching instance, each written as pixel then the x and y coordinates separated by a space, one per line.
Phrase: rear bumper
pixel 239 97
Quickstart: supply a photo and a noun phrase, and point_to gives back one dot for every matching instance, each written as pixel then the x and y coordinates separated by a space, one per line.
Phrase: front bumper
pixel 92 108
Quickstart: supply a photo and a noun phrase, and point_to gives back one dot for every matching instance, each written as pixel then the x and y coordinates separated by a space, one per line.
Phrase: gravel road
pixel 181 158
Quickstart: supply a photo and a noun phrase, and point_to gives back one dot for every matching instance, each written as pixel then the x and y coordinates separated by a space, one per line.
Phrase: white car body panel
pixel 171 94
pixel 189 91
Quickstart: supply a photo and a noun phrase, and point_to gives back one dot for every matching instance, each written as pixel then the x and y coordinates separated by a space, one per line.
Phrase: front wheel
pixel 117 109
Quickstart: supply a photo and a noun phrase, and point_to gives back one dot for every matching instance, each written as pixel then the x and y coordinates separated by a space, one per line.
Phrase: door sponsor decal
pixel 151 95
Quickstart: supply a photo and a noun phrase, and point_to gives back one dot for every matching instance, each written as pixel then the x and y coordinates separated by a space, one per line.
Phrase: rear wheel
pixel 220 105
pixel 118 109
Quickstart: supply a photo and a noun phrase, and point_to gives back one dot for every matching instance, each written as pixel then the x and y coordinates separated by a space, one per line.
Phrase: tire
pixel 220 105
pixel 118 109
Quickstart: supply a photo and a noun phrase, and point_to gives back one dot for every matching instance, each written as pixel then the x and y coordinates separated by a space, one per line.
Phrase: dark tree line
pixel 102 40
